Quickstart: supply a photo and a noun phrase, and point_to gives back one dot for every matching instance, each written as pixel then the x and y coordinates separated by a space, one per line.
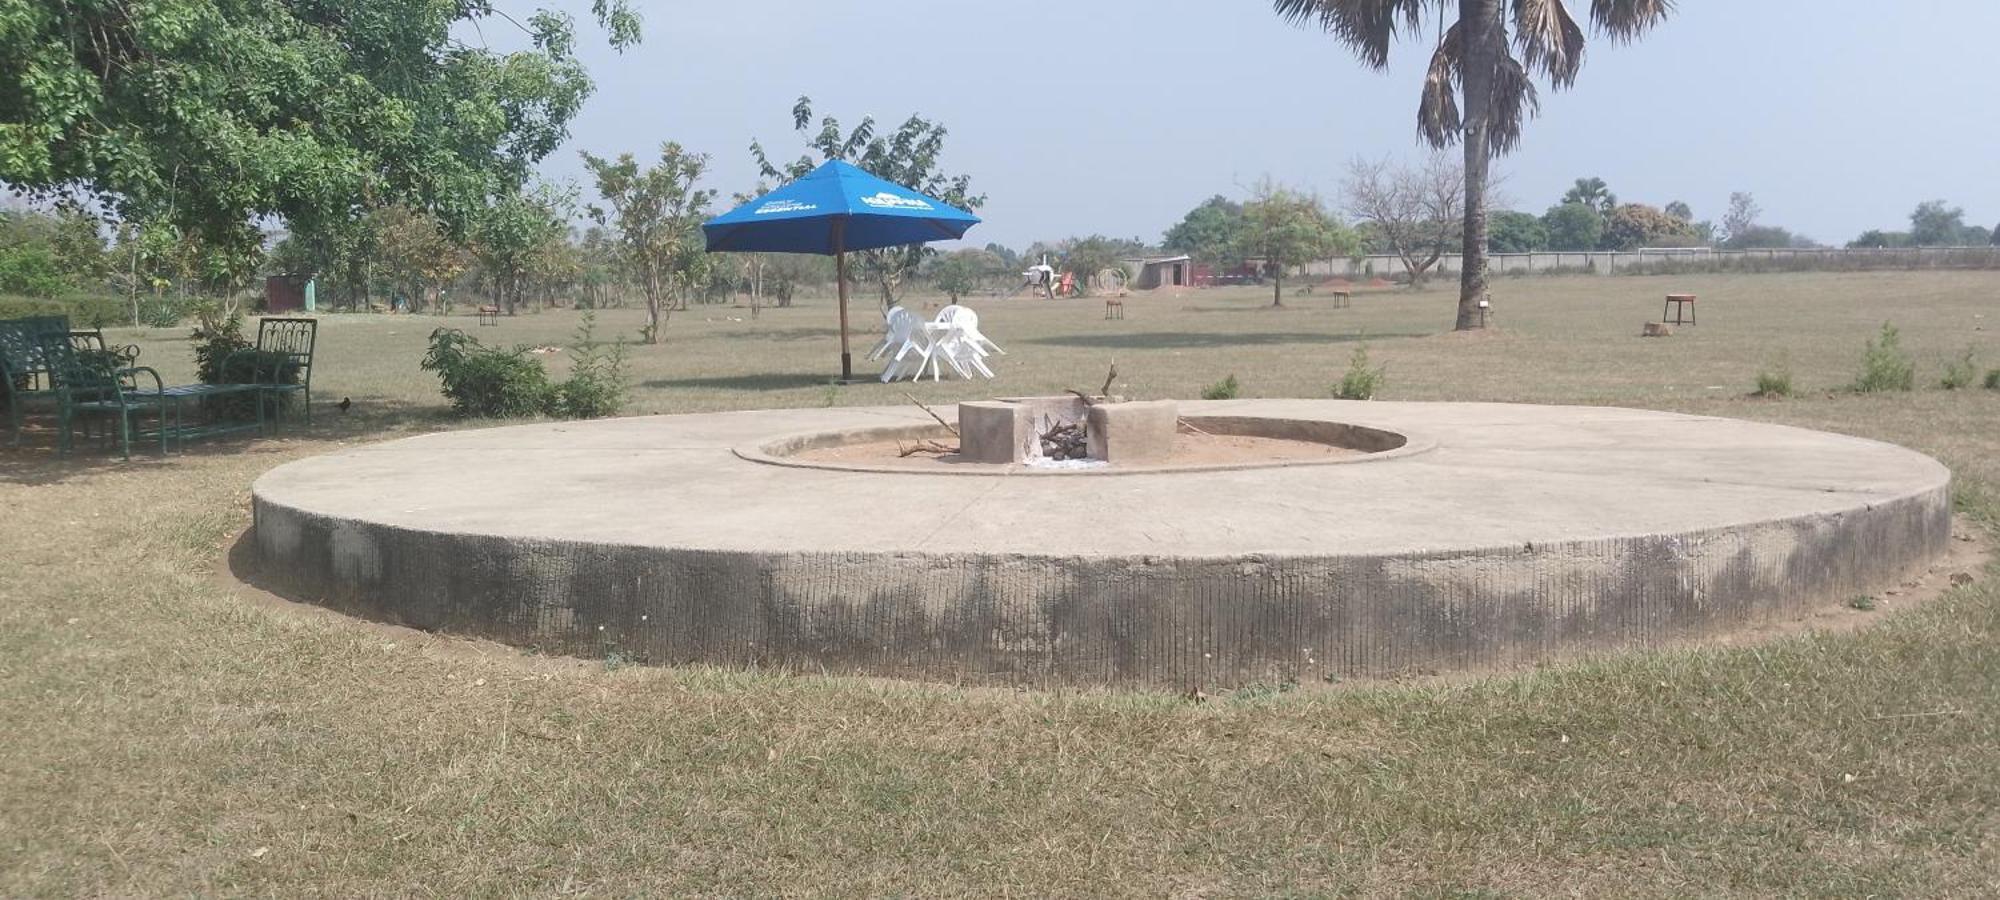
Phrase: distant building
pixel 1150 272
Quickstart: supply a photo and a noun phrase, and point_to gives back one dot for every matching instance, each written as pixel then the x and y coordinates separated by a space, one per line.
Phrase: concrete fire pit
pixel 1443 536
pixel 1118 431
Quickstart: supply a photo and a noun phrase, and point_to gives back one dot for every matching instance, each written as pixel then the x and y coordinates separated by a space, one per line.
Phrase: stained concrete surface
pixel 1517 533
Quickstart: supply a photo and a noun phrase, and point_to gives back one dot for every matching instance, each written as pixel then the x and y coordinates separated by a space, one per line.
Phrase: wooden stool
pixel 489 315
pixel 1342 299
pixel 1114 308
pixel 1676 305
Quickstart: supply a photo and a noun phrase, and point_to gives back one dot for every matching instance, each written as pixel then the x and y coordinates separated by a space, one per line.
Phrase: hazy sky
pixel 1117 116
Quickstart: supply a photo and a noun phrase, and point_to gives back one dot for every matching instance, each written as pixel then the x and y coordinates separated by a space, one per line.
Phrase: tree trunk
pixel 652 319
pixel 1484 34
pixel 1278 285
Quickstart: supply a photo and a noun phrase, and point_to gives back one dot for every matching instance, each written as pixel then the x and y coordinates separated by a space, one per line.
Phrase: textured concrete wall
pixel 1142 621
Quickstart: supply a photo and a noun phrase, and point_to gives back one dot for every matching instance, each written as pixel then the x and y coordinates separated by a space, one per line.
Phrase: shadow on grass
pixel 35 462
pixel 1184 340
pixel 787 335
pixel 771 381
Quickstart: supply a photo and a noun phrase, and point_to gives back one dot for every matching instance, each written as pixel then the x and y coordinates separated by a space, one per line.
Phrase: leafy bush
pixel 1993 380
pixel 1221 390
pixel 83 310
pixel 1960 373
pixel 163 311
pixel 482 381
pixel 596 384
pixel 216 336
pixel 1885 366
pixel 1775 383
pixel 1360 382
pixel 222 355
pixel 32 270
pixel 488 382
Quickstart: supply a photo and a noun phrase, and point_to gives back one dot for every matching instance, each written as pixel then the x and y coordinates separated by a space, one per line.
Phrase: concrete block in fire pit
pixel 1135 432
pixel 993 431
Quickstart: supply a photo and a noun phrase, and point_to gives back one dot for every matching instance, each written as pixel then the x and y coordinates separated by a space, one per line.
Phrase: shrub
pixel 83 310
pixel 488 382
pixel 162 311
pixel 1360 382
pixel 1775 383
pixel 222 355
pixel 1993 380
pixel 596 384
pixel 1885 366
pixel 482 381
pixel 216 337
pixel 1960 373
pixel 1221 390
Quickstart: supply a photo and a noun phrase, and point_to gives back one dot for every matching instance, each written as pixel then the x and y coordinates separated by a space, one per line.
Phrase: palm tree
pixel 1594 193
pixel 1478 60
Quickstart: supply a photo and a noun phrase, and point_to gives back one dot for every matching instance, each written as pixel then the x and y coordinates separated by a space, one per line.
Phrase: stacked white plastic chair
pixel 917 350
pixel 914 347
pixel 959 341
pixel 889 339
pixel 967 323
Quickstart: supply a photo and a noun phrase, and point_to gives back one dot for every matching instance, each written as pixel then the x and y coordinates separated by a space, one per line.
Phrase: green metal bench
pixel 280 364
pixel 88 388
pixel 24 369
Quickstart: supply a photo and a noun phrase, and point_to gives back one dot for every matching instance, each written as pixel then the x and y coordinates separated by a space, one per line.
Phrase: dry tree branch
pixel 933 414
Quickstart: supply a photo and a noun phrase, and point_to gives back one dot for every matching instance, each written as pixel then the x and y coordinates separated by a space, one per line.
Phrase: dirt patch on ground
pixel 1189 450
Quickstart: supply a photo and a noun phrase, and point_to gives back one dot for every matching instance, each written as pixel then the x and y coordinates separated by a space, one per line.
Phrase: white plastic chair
pixel 916 351
pixel 889 331
pixel 967 322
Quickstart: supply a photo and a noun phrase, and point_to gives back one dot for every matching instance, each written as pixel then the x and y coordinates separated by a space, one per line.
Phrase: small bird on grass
pixel 343 405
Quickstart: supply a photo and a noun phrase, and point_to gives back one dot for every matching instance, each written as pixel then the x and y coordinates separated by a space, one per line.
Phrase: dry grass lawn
pixel 162 733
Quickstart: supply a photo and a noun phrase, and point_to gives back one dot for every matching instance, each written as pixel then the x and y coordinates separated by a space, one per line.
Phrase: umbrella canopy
pixel 833 209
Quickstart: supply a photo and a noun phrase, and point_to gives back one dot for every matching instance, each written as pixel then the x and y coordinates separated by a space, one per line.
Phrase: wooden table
pixel 1677 304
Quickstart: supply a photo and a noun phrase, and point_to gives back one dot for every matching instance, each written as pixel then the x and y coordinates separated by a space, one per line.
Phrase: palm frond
pixel 1549 40
pixel 1367 27
pixel 1513 102
pixel 1437 114
pixel 1625 20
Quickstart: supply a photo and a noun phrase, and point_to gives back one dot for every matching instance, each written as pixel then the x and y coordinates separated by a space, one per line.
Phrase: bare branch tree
pixel 1416 211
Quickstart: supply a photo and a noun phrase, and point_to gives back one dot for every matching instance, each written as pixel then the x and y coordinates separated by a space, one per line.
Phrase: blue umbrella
pixel 833 209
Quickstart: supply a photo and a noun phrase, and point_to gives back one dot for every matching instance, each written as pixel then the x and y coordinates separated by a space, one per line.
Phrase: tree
pixel 1211 232
pixel 1681 211
pixel 1876 238
pixel 1741 217
pixel 417 256
pixel 508 235
pixel 1509 231
pixel 658 213
pixel 1934 224
pixel 1573 226
pixel 206 116
pixel 1475 63
pixel 909 157
pixel 960 273
pixel 1635 225
pixel 1594 193
pixel 1415 212
pixel 1286 229
pixel 1761 237
pixel 1086 257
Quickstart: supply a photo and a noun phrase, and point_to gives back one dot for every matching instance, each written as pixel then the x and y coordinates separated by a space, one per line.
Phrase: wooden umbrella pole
pixel 840 278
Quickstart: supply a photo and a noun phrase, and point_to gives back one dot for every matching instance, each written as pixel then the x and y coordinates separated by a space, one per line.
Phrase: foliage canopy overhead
pixel 205 115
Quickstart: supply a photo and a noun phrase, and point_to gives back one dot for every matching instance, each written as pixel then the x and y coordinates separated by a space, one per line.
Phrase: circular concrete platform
pixel 1495 535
